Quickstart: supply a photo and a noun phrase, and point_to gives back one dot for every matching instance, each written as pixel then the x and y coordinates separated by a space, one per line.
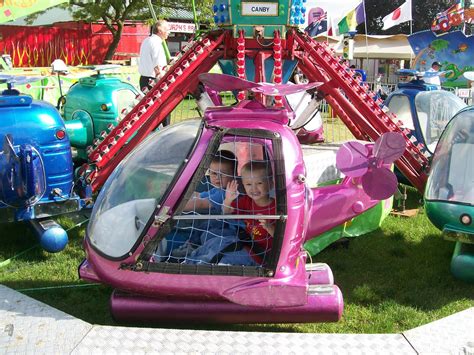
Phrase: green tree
pixel 114 13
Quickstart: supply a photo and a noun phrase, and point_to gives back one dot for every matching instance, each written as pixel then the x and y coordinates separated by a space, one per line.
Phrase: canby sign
pixel 259 9
pixel 182 27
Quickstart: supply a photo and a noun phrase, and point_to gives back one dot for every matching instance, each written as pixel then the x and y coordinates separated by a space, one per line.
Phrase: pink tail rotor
pixel 352 159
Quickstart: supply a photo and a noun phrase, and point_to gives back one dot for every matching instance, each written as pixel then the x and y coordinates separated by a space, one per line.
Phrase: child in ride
pixel 222 171
pixel 257 181
pixel 249 245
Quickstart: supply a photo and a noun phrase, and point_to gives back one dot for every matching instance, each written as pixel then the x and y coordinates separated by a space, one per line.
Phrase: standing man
pixel 152 62
pixel 433 78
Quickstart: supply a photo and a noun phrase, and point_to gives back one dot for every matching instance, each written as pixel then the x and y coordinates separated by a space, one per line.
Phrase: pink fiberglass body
pixel 286 290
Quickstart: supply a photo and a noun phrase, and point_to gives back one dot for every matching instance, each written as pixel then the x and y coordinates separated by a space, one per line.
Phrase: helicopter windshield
pixel 133 190
pixel 123 98
pixel 434 110
pixel 452 172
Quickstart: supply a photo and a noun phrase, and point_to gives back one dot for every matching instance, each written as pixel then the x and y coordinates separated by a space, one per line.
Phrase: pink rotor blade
pixel 270 89
pixel 379 183
pixel 352 160
pixel 224 82
pixel 389 147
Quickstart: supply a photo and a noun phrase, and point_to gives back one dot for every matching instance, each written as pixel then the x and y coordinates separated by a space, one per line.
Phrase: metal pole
pixel 196 23
pixel 152 10
pixel 155 19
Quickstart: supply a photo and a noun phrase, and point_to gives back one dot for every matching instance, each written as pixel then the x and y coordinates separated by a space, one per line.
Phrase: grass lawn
pixel 393 279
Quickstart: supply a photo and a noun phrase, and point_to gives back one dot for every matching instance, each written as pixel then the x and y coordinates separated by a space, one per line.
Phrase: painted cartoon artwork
pixel 454 50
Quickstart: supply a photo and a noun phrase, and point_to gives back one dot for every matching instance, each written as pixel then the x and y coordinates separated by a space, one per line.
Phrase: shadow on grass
pixel 388 265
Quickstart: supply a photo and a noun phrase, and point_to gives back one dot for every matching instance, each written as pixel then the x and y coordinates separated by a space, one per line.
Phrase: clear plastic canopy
pixel 434 110
pixel 133 190
pixel 452 169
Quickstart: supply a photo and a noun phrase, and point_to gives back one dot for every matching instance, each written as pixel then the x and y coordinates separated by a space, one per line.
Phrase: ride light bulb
pixel 466 219
pixel 149 102
pixel 96 157
pixel 60 134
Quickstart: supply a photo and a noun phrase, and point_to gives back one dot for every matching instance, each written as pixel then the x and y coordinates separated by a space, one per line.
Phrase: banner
pixel 453 16
pixel 11 10
pixel 332 13
pixel 353 18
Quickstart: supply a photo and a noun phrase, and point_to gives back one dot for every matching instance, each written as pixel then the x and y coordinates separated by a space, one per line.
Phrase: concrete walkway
pixel 28 326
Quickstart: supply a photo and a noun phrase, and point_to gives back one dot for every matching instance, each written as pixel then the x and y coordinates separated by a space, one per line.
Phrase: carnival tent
pixel 374 46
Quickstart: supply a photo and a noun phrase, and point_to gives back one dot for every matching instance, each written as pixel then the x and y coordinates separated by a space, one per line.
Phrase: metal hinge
pixel 162 217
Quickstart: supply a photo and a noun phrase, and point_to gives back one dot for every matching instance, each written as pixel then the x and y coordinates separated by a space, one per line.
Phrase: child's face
pixel 220 174
pixel 256 185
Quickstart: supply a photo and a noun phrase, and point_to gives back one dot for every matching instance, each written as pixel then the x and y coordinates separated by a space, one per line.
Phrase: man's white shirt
pixel 152 54
pixel 435 80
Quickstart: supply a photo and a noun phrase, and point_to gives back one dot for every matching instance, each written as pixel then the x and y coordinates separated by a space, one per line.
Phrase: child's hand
pixel 231 194
pixel 268 225
pixel 231 191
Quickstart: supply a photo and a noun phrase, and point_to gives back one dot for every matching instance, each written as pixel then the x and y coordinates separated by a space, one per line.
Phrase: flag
pixel 16 9
pixel 400 15
pixel 317 22
pixel 352 19
pixel 453 16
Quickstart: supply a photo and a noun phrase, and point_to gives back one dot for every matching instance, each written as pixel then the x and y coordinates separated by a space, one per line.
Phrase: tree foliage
pixel 114 13
pixel 423 13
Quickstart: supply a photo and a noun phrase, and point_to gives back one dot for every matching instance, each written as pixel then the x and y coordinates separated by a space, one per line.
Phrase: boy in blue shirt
pixel 222 171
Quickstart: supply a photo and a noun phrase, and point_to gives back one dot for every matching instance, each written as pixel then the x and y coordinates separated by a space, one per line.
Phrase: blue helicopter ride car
pixel 36 169
pixel 423 109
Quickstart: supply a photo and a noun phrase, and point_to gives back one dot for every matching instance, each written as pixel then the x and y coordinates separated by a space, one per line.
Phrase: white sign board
pixel 182 27
pixel 464 93
pixel 259 9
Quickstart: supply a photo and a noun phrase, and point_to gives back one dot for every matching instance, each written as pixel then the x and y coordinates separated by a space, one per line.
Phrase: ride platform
pixel 30 326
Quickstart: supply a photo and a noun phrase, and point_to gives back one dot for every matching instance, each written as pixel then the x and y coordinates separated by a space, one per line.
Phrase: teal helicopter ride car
pixel 449 194
pixel 94 105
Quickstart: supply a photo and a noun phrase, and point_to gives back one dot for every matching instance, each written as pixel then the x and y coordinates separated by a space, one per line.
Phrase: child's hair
pixel 260 166
pixel 227 158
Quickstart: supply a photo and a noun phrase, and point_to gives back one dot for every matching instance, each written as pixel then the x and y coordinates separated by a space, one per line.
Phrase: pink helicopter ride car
pixel 239 258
